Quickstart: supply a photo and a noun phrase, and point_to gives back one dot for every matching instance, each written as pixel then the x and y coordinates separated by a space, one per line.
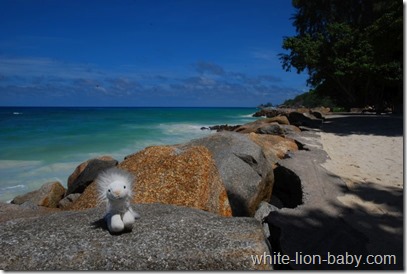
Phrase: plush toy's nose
pixel 117 192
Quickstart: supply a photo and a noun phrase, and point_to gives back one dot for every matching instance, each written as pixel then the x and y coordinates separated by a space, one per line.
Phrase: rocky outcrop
pixel 273 129
pixel 277 129
pixel 88 199
pixel 68 201
pixel 299 116
pixel 178 176
pixel 47 196
pixel 220 128
pixel 262 123
pixel 11 212
pixel 274 147
pixel 245 171
pixel 271 112
pixel 307 217
pixel 298 206
pixel 87 172
pixel 322 110
pixel 276 125
pixel 304 119
pixel 263 211
pixel 166 237
pixel 171 175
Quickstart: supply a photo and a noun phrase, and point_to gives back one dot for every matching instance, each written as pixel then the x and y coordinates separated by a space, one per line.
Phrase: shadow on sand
pixel 352 231
pixel 381 125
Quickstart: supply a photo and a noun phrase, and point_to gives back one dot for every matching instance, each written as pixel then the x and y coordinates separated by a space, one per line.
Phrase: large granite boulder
pixel 322 110
pixel 86 173
pixel 88 199
pixel 272 129
pixel 10 212
pixel 179 176
pixel 243 167
pixel 271 112
pixel 171 175
pixel 219 128
pixel 68 200
pixel 277 129
pixel 166 237
pixel 48 195
pixel 274 147
pixel 261 123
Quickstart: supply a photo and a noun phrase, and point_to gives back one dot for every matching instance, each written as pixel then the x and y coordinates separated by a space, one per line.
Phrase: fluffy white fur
pixel 115 188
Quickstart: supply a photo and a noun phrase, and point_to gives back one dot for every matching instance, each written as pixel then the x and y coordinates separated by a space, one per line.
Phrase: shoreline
pixel 52 150
pixel 314 207
pixel 335 142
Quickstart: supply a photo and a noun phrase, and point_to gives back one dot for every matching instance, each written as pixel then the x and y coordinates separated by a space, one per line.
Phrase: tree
pixel 351 49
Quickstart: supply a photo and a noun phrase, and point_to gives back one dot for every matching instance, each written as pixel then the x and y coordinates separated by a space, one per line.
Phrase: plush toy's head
pixel 118 190
pixel 115 184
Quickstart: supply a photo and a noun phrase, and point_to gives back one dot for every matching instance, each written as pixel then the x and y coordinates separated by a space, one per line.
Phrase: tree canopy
pixel 352 50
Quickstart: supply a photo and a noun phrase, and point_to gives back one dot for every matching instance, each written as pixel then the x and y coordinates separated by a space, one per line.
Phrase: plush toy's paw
pixel 128 220
pixel 115 223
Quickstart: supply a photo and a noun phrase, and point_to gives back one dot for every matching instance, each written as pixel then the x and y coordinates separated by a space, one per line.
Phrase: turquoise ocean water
pixel 39 145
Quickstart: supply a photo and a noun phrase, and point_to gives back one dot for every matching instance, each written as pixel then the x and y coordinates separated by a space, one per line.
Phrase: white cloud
pixel 42 77
pixel 40 67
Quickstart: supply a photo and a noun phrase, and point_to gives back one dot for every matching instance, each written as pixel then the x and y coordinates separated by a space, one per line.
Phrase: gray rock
pixel 166 237
pixel 322 224
pixel 48 195
pixel 28 205
pixel 262 212
pixel 89 174
pixel 290 129
pixel 304 119
pixel 26 210
pixel 318 115
pixel 244 169
pixel 274 129
pixel 68 200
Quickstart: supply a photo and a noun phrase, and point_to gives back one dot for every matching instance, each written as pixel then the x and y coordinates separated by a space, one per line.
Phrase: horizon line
pixel 127 107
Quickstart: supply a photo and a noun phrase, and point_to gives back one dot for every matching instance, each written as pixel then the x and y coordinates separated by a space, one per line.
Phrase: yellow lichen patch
pixel 170 175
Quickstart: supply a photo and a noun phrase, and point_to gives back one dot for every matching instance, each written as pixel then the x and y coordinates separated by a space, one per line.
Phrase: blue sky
pixel 145 53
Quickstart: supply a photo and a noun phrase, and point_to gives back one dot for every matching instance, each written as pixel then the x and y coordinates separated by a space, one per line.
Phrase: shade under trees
pixel 352 50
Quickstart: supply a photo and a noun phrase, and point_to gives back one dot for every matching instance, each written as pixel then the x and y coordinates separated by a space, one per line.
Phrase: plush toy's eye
pixel 124 186
pixel 108 190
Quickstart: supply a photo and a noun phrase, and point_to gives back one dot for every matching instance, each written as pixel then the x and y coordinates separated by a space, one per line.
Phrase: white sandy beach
pixel 367 153
pixel 365 158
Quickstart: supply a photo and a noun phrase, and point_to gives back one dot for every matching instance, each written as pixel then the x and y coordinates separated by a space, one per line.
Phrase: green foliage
pixel 310 100
pixel 338 109
pixel 352 50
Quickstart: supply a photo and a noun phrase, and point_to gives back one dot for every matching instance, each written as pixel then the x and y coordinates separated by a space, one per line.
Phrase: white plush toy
pixel 115 187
